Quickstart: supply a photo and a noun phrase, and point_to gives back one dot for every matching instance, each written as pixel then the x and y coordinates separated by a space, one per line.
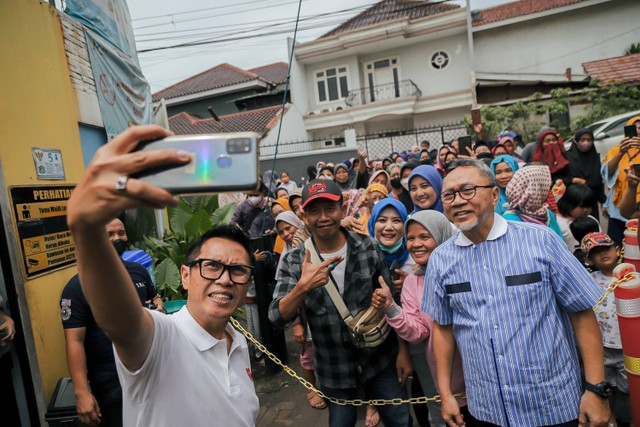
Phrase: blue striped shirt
pixel 507 299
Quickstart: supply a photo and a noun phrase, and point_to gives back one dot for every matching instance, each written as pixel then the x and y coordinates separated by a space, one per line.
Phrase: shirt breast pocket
pixel 460 298
pixel 525 294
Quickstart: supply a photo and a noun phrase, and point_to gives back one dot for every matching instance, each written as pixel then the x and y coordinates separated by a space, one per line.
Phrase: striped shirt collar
pixel 499 229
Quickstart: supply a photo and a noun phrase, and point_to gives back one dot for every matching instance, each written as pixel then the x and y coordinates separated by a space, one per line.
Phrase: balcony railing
pixel 382 93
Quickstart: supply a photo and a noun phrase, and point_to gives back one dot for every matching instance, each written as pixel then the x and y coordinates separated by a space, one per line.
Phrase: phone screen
pixel 463 143
pixel 630 131
pixel 475 117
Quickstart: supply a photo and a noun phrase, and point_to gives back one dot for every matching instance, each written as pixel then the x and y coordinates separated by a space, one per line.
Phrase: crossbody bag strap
pixel 331 287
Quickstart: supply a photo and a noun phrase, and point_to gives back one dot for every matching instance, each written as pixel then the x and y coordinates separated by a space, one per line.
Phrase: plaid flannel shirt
pixel 338 363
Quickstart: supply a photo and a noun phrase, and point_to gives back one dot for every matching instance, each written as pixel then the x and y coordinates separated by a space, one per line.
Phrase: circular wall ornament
pixel 439 60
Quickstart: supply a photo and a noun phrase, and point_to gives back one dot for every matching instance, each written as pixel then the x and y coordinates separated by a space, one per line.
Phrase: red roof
pixel 275 73
pixel 213 78
pixel 622 69
pixel 519 8
pixel 388 10
pixel 258 121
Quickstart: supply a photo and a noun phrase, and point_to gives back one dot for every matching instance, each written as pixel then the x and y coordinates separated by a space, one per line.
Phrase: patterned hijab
pixel 527 193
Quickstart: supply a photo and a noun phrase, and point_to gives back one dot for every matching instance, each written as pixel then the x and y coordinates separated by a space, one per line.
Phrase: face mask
pixel 396 183
pixel 426 162
pixel 255 200
pixel 120 246
pixel 405 183
pixel 484 156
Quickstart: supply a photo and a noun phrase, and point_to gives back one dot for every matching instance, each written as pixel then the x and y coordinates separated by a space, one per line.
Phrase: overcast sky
pixel 233 32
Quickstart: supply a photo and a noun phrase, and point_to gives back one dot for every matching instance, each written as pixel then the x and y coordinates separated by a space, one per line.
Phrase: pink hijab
pixel 527 193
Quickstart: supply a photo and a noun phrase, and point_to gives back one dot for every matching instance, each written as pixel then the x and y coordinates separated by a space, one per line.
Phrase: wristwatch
pixel 602 389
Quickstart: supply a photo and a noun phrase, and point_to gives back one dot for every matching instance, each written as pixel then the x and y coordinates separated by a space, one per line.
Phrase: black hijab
pixel 586 165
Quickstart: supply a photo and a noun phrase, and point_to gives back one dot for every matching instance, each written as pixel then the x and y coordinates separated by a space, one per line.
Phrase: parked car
pixel 607 132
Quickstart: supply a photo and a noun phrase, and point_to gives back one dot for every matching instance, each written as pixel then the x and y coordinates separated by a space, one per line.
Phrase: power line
pixel 196 11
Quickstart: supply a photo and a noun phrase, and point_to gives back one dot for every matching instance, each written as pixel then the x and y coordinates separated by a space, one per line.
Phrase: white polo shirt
pixel 189 379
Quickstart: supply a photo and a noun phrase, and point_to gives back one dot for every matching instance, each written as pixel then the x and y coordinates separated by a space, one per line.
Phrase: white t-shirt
pixel 189 379
pixel 341 267
pixel 606 314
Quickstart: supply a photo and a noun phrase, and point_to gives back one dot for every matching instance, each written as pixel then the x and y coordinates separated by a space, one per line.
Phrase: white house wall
pixel 551 44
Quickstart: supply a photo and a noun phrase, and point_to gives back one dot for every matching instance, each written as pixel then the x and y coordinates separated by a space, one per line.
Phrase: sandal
pixel 372 418
pixel 315 401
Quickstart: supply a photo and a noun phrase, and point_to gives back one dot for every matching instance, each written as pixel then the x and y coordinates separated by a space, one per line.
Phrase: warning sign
pixel 45 239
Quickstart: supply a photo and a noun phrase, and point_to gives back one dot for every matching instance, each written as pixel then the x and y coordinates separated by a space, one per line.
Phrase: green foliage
pixel 608 100
pixel 188 221
pixel 633 48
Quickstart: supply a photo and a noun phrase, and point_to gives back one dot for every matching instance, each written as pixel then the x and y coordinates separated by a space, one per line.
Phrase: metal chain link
pixel 612 286
pixel 342 402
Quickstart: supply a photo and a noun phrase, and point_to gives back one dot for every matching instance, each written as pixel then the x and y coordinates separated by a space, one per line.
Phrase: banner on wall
pixel 124 95
pixel 109 19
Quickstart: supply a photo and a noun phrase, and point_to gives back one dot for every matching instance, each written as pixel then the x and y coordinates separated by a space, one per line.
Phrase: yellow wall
pixel 37 109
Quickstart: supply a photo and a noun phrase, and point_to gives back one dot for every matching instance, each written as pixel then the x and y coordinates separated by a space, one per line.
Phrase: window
pixel 332 84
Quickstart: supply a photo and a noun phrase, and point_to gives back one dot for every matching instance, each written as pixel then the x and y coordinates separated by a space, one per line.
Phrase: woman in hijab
pixel 425 186
pixel 499 150
pixel 503 167
pixel 550 151
pixel 342 177
pixel 442 154
pixel 386 227
pixel 584 166
pixel 424 231
pixel 614 173
pixel 527 193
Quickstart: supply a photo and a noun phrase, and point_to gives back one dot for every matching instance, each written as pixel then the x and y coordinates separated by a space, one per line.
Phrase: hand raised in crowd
pixel 594 411
pixel 259 256
pixel 351 223
pixel 299 333
pixel 381 298
pixel 106 188
pixel 362 155
pixel 628 143
pixel 316 275
pixel 451 411
pixel 88 409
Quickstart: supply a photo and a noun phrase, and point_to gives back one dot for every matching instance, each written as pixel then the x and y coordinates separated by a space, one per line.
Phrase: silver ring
pixel 331 267
pixel 121 183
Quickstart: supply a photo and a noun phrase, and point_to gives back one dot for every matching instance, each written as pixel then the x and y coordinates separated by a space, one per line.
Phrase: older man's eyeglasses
pixel 466 193
pixel 212 269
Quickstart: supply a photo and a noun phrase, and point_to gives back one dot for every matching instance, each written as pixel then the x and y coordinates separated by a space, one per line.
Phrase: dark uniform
pixel 101 366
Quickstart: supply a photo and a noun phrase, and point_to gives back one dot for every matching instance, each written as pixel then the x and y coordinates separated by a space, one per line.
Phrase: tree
pixel 632 49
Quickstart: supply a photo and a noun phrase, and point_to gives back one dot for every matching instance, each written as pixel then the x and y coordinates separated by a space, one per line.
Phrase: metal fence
pixel 382 144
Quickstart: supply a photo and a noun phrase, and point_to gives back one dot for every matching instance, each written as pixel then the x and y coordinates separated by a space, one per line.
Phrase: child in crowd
pixel 580 228
pixel 603 254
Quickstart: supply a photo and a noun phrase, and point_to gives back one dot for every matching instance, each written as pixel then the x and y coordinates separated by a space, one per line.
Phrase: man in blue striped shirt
pixel 515 302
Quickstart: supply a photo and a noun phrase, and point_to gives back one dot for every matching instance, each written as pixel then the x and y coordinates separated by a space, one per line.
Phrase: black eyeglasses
pixel 466 193
pixel 212 269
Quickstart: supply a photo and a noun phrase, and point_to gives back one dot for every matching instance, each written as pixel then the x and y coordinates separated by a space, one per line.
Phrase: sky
pixel 243 33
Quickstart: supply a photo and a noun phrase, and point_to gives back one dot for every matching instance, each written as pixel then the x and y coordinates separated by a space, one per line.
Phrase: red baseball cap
pixel 320 189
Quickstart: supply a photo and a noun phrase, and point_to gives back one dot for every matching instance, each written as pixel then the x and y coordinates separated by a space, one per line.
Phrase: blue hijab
pixel 432 176
pixel 502 205
pixel 399 252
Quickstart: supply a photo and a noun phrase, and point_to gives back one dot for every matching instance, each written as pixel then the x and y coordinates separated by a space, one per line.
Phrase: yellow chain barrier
pixel 342 402
pixel 612 286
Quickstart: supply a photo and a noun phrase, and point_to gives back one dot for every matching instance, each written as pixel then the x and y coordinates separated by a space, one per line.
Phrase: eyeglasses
pixel 466 193
pixel 212 269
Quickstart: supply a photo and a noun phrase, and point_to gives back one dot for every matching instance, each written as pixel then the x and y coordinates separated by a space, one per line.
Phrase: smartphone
pixel 393 268
pixel 463 143
pixel 219 163
pixel 630 131
pixel 475 117
pixel 636 170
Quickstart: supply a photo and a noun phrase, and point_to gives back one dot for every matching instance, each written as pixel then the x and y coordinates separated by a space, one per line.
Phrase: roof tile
pixel 388 10
pixel 258 121
pixel 275 73
pixel 519 8
pixel 622 69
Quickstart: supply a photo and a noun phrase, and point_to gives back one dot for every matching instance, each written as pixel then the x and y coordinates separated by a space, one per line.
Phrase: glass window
pixel 332 84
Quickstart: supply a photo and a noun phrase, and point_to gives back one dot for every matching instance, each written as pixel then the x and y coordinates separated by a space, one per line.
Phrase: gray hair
pixel 478 164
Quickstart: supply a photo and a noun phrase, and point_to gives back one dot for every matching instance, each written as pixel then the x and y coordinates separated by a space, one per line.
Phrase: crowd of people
pixel 485 265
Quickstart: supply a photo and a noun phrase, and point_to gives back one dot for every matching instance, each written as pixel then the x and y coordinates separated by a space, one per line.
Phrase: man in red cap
pixel 354 264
